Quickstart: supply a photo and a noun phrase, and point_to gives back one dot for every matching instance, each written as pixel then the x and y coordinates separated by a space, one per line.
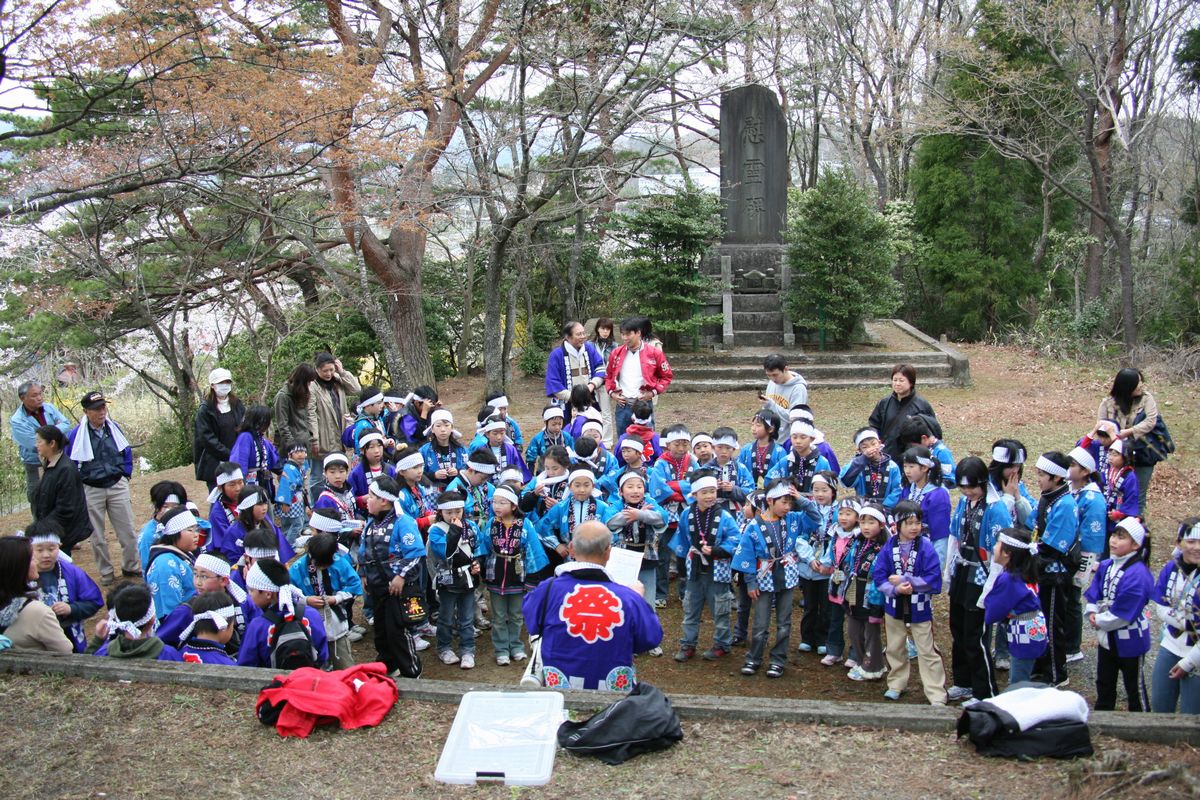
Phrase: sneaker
pixel 805 647
pixel 369 619
pixel 957 693
pixel 483 624
pixel 657 652
pixel 867 675
pixel 684 654
pixel 775 671
pixel 970 702
pixel 468 661
pixel 912 650
pixel 749 668
pixel 1003 664
pixel 354 635
pixel 739 641
pixel 1073 657
pixel 714 652
pixel 829 661
pixel 360 630
pixel 660 603
pixel 519 656
pixel 427 630
pixel 891 694
pixel 855 674
pixel 448 657
pixel 1064 683
pixel 850 663
pixel 503 660
pixel 822 650
pixel 420 644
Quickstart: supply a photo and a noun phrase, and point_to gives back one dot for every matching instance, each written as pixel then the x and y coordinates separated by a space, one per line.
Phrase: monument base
pixel 750 281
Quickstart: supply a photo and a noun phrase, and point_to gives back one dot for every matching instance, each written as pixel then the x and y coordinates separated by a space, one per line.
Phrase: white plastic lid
pixel 502 737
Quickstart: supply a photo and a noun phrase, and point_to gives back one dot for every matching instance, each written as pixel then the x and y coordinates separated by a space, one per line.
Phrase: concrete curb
pixel 1166 729
pixel 960 365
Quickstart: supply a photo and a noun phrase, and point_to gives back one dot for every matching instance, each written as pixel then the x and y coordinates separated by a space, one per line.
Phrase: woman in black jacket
pixel 902 403
pixel 59 496
pixel 217 422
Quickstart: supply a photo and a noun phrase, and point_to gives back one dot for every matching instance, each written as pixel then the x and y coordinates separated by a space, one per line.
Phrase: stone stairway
pixel 757 320
pixel 740 371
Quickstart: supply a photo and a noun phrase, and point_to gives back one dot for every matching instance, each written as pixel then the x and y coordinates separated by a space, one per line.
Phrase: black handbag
pixel 1155 446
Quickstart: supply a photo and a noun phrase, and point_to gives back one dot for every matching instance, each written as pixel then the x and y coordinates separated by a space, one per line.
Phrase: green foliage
pixel 839 249
pixel 91 106
pixel 1187 59
pixel 981 216
pixel 169 444
pixel 659 274
pixel 1170 290
pixel 542 338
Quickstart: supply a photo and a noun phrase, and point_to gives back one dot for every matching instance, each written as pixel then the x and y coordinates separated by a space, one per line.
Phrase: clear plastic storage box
pixel 505 737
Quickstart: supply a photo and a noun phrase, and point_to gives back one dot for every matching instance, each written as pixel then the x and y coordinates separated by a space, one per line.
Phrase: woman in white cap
pixel 217 422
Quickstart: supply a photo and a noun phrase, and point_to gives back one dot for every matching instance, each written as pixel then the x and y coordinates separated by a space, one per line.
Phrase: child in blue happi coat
pixel 1011 599
pixel 706 540
pixel 762 454
pixel 546 488
pixel 908 573
pixel 633 460
pixel 590 450
pixel 453 545
pixel 735 483
pixel 169 574
pixel 369 419
pixel 551 435
pixel 498 403
pixel 1057 531
pixel 1006 472
pixel 639 523
pixel 494 430
pixel 872 473
pixel 445 456
pixel 1091 513
pixel 327 578
pixel 673 468
pixel 206 638
pixel 803 460
pixel 508 548
pixel 772 546
pixel 291 498
pixel 559 523
pixel 164 496
pixel 918 431
pixel 128 632
pixel 68 591
pixel 802 413
pixel 839 521
pixel 1116 609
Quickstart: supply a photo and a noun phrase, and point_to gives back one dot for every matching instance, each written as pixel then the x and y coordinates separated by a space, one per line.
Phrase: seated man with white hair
pixel 590 625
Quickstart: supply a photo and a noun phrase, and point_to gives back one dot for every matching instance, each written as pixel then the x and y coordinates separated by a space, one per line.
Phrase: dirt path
pixel 195 743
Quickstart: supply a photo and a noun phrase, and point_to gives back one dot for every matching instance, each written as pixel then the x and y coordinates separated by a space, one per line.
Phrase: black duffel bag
pixel 641 722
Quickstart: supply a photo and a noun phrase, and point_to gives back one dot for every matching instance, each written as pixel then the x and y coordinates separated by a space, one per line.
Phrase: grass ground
pixel 70 738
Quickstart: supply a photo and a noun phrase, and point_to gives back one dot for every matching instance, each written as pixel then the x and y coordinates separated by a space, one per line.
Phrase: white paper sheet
pixel 624 565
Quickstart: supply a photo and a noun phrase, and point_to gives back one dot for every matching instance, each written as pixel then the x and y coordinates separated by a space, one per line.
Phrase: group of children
pixel 422 528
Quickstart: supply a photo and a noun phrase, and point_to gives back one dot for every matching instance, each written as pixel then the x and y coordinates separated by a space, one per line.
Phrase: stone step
pixel 758 338
pixel 757 321
pixel 811 372
pixel 800 359
pixel 756 302
pixel 740 385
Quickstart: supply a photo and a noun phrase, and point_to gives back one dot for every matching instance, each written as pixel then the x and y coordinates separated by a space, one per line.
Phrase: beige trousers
pixel 115 502
pixel 929 660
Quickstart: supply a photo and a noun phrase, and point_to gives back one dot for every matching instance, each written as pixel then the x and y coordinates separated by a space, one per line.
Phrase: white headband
pixel 367 438
pixel 630 475
pixel 780 490
pixel 676 436
pixel 803 428
pixel 375 398
pixel 864 435
pixel 1046 465
pixel 262 552
pixel 629 443
pixel 391 398
pixel 507 494
pixel 1107 426
pixel 486 469
pixel 180 522
pixel 514 474
pixel 171 498
pixel 217 566
pixel 494 425
pixel 249 502
pixel 320 522
pixel 1191 533
pixel 731 441
pixel 1000 455
pixel 581 473
pixel 225 477
pixel 257 579
pixel 926 462
pixel 1134 528
pixel 335 458
pixel 498 402
pixel 375 490
pixel 1012 541
pixel 441 415
pixel 551 413
pixel 819 478
pixel 1083 458
pixel 1117 446
pixel 874 513
pixel 133 629
pixel 800 413
pixel 452 505
pixel 591 425
pixel 702 438
pixel 410 461
pixel 639 420
pixel 220 618
pixel 700 484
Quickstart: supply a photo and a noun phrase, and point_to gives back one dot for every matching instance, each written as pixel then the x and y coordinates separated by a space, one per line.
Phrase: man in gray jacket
pixel 785 388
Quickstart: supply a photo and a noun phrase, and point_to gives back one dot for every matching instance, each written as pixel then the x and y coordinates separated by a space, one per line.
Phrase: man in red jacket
pixel 643 377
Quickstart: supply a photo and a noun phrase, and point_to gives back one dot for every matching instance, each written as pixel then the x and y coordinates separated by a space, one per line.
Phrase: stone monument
pixel 748 268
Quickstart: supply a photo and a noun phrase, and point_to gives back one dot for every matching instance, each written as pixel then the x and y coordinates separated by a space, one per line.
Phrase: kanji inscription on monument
pixel 753 166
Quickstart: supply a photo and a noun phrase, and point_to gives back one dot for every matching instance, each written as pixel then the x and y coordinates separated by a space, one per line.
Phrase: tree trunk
pixel 493 350
pixel 1105 126
pixel 570 309
pixel 1039 251
pixel 1128 320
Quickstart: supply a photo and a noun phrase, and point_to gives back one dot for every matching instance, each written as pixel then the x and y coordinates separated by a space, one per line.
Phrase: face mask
pixel 223 389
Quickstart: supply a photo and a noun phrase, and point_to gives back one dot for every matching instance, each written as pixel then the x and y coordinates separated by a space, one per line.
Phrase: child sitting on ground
pixel 128 630
pixel 287 634
pixel 169 572
pixel 164 496
pixel 222 505
pixel 69 592
pixel 206 639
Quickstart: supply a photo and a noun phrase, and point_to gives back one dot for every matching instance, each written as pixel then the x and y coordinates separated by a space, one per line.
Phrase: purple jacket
pixel 556 368
pixel 591 627
pixel 1016 605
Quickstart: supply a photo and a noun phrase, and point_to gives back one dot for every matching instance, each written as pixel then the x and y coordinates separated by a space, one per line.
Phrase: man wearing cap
pixel 105 460
pixel 590 625
pixel 576 362
pixel 218 420
pixel 32 413
pixel 329 403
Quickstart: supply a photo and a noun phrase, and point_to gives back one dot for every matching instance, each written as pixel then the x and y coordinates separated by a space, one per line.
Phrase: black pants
pixel 1108 665
pixel 814 625
pixel 742 624
pixel 393 641
pixel 970 653
pixel 1052 666
pixel 1072 617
